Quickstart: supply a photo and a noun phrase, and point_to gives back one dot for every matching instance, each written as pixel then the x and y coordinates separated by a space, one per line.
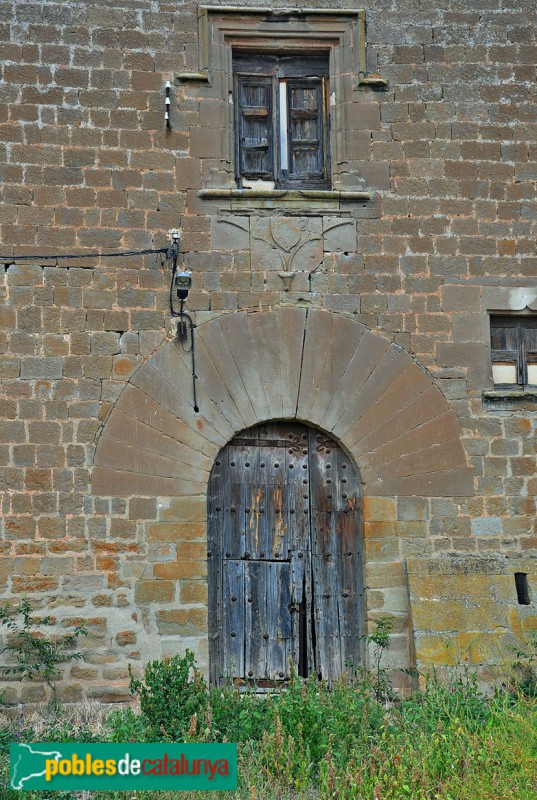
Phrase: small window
pixel 522 588
pixel 513 342
pixel 281 120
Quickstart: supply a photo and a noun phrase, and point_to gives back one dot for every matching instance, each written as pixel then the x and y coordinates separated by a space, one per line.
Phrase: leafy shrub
pixel 126 726
pixel 171 692
pixel 238 716
pixel 37 654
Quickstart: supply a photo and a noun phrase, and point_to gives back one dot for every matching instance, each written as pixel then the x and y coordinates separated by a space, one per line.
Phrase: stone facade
pixel 362 310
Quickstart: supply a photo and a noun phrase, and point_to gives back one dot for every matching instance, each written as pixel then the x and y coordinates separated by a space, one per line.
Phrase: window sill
pixel 318 200
pixel 507 399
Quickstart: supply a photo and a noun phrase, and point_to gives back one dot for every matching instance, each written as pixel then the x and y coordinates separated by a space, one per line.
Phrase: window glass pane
pixel 504 372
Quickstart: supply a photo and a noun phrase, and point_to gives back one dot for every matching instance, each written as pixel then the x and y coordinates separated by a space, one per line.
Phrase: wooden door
pixel 285 573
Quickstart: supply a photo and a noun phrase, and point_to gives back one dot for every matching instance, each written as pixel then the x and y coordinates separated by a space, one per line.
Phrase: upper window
pixel 281 120
pixel 514 351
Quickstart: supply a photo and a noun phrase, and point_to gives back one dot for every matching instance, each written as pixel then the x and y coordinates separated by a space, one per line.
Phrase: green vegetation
pixel 350 742
pixel 37 654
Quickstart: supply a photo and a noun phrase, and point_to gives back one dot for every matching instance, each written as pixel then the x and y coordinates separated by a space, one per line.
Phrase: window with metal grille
pixel 281 120
pixel 513 342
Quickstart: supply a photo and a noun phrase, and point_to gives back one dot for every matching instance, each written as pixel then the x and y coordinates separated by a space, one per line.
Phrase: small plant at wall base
pixel 171 692
pixel 37 654
pixel 380 642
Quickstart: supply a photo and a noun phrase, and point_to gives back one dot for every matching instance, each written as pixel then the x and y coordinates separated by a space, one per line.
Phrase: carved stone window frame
pixel 340 31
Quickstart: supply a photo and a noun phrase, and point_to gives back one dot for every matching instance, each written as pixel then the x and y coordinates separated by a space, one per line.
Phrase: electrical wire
pixel 181 315
pixel 168 252
pixel 13 259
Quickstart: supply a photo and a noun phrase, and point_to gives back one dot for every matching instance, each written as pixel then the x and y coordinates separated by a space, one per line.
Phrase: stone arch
pixel 291 363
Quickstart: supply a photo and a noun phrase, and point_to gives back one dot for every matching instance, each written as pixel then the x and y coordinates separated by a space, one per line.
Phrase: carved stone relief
pixel 288 244
pixel 288 247
pixel 339 234
pixel 230 233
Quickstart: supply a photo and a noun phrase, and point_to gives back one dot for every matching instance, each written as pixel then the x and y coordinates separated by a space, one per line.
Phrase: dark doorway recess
pixel 284 555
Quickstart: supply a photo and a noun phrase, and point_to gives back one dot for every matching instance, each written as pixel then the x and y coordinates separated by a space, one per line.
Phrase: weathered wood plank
pixel 268 620
pixel 233 607
pixel 234 520
pixel 290 515
pixel 215 503
pixel 336 557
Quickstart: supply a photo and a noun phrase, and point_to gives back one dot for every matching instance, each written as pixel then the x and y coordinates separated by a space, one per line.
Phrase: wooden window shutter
pixel 505 351
pixel 307 129
pixel 255 127
pixel 529 353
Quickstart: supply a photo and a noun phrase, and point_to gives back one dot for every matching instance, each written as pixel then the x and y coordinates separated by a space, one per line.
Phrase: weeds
pixel 37 654
pixel 524 667
pixel 379 641
pixel 172 691
pixel 311 742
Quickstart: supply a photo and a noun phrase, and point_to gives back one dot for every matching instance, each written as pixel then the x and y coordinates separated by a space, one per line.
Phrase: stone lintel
pixel 283 12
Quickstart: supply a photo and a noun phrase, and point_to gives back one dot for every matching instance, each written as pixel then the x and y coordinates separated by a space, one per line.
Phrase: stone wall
pixel 431 224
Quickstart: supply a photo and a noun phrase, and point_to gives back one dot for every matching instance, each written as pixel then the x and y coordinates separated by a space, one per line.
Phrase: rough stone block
pixel 193 591
pixel 181 569
pixel 142 508
pixel 412 508
pixel 176 532
pixel 182 622
pixel 486 526
pixel 379 509
pixel 49 367
pixel 157 591
pixel 386 549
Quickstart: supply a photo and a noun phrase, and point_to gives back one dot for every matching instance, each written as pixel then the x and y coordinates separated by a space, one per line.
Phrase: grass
pixel 447 742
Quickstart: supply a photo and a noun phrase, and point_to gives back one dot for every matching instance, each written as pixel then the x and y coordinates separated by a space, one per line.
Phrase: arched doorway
pixel 285 565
